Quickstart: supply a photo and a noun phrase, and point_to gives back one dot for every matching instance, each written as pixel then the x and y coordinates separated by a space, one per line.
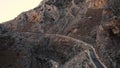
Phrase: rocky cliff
pixel 63 34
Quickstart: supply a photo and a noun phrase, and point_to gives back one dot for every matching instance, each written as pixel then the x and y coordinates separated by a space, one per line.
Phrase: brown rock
pixel 49 35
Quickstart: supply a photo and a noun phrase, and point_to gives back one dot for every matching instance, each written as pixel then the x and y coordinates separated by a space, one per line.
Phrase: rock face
pixel 52 34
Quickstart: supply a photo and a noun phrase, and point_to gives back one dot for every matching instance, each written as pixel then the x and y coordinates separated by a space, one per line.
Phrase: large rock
pixel 47 36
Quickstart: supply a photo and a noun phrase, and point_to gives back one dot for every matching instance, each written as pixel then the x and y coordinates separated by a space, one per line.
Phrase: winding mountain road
pixel 92 53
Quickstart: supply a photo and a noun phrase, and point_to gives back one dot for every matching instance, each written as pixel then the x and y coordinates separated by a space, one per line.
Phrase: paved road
pixel 95 59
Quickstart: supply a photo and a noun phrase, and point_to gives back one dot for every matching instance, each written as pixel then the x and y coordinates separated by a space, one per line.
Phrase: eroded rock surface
pixel 52 34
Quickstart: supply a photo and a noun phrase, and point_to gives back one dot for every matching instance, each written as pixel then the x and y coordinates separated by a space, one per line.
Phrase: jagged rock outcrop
pixel 66 17
pixel 49 35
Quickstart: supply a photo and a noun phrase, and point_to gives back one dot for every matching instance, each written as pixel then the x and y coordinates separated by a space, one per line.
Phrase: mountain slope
pixel 61 34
